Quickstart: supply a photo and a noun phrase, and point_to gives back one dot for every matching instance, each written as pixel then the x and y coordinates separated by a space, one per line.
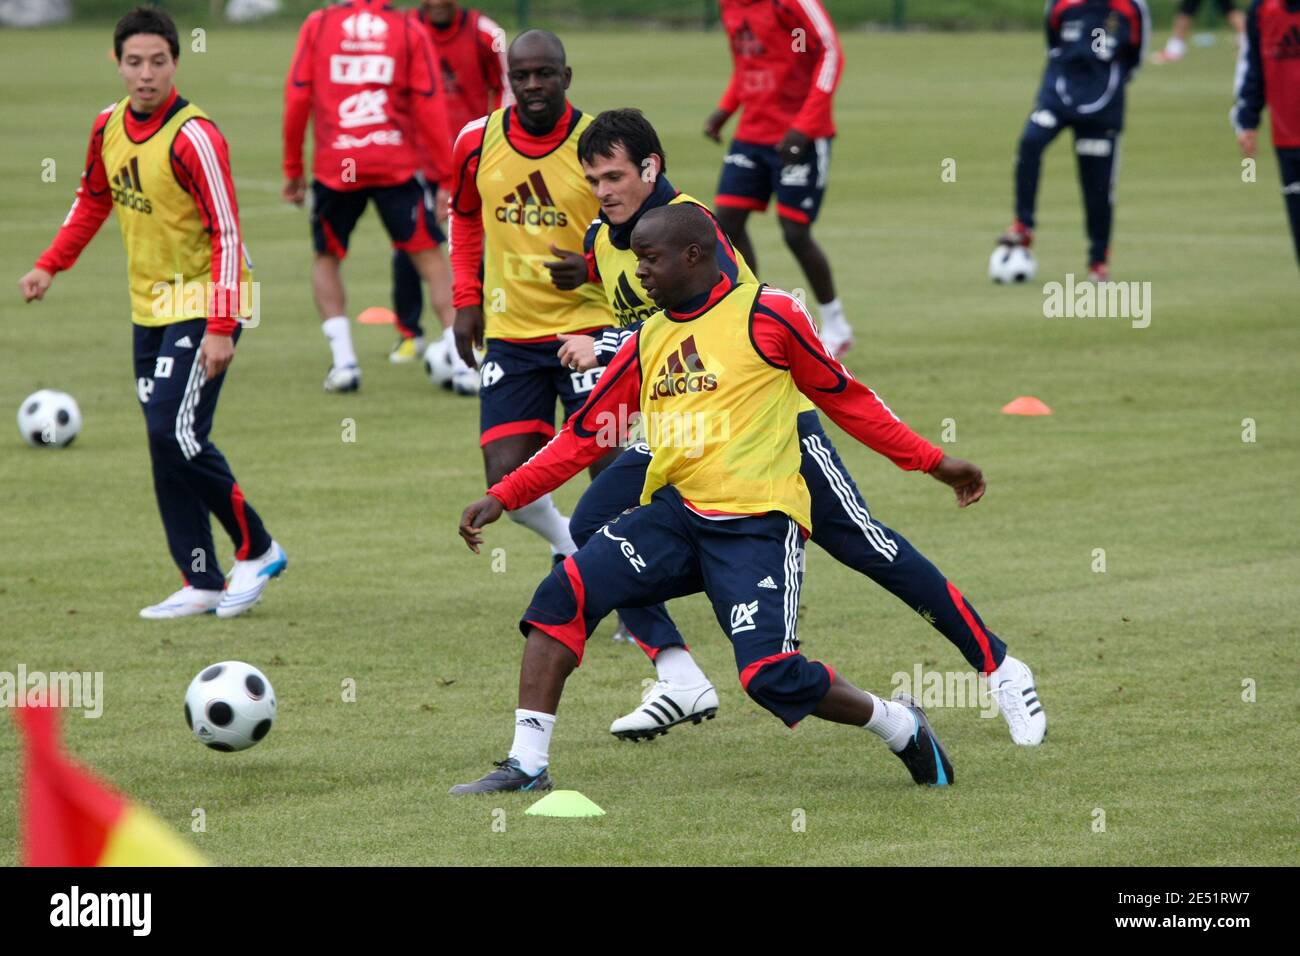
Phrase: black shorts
pixel 408 210
pixel 519 385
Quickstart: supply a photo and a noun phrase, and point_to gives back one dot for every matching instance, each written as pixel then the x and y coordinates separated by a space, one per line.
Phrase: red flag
pixel 69 818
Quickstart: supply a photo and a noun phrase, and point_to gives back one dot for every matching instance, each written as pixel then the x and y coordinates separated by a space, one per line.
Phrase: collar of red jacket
pixel 695 307
pixel 542 144
pixel 146 124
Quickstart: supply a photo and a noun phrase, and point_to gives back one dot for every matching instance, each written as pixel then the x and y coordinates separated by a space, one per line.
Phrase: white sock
pixel 832 314
pixel 339 333
pixel 532 744
pixel 1175 47
pixel 891 722
pixel 675 664
pixel 543 517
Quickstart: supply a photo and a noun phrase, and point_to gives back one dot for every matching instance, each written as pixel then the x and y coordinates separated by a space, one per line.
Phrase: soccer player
pixel 1269 73
pixel 471 51
pixel 1176 46
pixel 1094 47
pixel 165 166
pixel 367 77
pixel 624 162
pixel 520 194
pixel 725 513
pixel 786 65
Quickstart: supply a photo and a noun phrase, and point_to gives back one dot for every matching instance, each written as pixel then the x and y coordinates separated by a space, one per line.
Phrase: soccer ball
pixel 466 381
pixel 1012 264
pixel 49 418
pixel 438 364
pixel 230 706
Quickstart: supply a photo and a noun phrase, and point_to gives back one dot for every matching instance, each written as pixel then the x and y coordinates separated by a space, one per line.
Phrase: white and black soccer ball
pixel 230 706
pixel 438 363
pixel 49 419
pixel 1012 264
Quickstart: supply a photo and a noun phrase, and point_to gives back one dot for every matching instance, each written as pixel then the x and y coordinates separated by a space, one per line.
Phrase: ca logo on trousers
pixel 742 617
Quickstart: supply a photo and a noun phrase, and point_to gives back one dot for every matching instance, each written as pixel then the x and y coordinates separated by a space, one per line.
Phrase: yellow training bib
pixel 168 250
pixel 528 204
pixel 720 421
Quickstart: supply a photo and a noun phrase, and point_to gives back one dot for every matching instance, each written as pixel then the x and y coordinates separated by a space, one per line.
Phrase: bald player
pixel 724 512
pixel 625 164
pixel 519 194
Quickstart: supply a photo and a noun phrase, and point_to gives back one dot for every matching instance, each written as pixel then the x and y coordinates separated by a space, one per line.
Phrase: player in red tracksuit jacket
pixel 1269 73
pixel 471 51
pixel 786 65
pixel 367 77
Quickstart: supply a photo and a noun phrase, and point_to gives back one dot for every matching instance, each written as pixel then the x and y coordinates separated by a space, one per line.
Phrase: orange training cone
pixel 377 315
pixel 1026 405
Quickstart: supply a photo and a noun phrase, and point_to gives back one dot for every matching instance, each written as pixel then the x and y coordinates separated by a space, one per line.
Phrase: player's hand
pixel 713 125
pixel 215 354
pixel 468 329
pixel 794 148
pixel 476 517
pixel 1247 139
pixel 578 352
pixel 35 284
pixel 440 206
pixel 295 190
pixel 963 477
pixel 569 270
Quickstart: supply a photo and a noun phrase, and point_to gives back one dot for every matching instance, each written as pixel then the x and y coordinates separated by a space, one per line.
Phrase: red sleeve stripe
pixel 826 33
pixel 227 226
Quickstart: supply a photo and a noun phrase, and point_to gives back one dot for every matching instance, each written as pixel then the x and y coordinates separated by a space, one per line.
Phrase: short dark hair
pixel 627 128
pixel 147 20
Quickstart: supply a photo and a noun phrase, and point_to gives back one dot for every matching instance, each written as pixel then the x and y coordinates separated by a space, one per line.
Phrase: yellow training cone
pixel 564 803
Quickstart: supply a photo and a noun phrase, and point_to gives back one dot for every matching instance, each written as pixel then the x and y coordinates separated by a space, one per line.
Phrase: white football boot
pixel 183 603
pixel 1012 686
pixel 665 705
pixel 248 579
pixel 344 379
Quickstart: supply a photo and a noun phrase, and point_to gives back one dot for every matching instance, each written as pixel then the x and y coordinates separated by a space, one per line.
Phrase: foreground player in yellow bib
pixel 165 167
pixel 624 163
pixel 724 510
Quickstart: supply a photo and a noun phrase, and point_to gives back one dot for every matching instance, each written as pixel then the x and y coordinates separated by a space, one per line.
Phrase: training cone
pixel 377 315
pixel 1026 405
pixel 564 803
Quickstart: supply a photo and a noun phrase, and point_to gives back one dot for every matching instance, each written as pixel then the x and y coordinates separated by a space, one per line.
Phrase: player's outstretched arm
pixel 477 516
pixel 588 435
pixel 963 477
pixel 89 209
pixel 297 110
pixel 467 243
pixel 1248 107
pixel 35 284
pixel 784 334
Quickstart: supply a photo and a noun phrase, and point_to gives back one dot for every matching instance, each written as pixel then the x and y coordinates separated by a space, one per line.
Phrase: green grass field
pixel 1141 667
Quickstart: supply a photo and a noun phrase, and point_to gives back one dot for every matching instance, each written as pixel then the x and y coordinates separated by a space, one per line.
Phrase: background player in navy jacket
pixel 1269 72
pixel 1093 49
